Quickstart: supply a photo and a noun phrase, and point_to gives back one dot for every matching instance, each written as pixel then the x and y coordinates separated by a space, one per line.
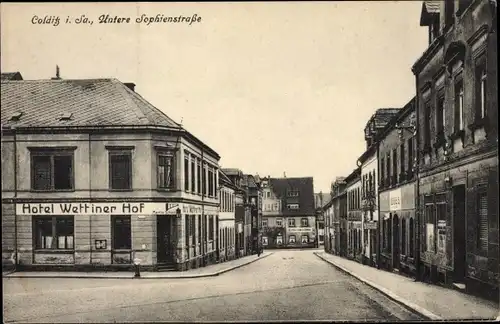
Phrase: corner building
pixel 95 177
pixel 457 115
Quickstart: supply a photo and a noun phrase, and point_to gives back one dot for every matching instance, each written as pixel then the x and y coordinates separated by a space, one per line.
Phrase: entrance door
pixel 396 242
pixel 459 238
pixel 165 239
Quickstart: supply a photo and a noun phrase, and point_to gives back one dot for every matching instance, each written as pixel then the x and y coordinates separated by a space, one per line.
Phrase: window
pixel 304 239
pixel 394 166
pixel 279 222
pixel 199 228
pixel 165 171
pixel 264 222
pixel 459 106
pixel 186 173
pixel 293 193
pixel 481 91
pixel 192 229
pixel 211 227
pixel 52 170
pixel 210 182
pixel 430 241
pixel 382 172
pixel 402 161
pixel 388 169
pixel 440 116
pixel 291 239
pixel 199 176
pixel 187 230
pixel 204 179
pixel 410 157
pixel 121 232
pixel 403 236
pixel 293 206
pixel 411 238
pixel 193 178
pixel 482 228
pixel 304 222
pixel 291 222
pixel 54 232
pixel 427 125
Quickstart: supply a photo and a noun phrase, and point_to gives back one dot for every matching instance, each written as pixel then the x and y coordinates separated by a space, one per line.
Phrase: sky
pixel 274 87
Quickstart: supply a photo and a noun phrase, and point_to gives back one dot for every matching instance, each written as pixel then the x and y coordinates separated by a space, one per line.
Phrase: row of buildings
pixel 95 177
pixel 423 197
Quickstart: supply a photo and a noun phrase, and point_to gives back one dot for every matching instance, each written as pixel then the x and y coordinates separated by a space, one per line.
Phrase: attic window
pixel 16 116
pixel 65 116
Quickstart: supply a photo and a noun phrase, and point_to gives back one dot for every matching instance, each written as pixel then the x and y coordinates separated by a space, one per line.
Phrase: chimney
pixel 58 74
pixel 130 85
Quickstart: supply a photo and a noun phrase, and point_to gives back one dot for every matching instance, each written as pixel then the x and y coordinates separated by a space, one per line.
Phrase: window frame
pixel 51 152
pixel 290 239
pixel 166 155
pixel 54 233
pixel 279 222
pixel 291 222
pixel 120 151
pixel 113 232
pixel 459 102
pixel 302 222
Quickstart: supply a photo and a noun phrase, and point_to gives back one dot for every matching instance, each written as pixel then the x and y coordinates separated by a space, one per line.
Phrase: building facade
pixel 397 190
pixel 457 116
pixel 226 222
pixel 320 200
pixel 273 227
pixel 94 176
pixel 242 208
pixel 354 230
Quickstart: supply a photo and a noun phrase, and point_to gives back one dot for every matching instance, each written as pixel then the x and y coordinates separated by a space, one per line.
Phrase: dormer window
pixel 293 193
pixel 65 116
pixel 16 116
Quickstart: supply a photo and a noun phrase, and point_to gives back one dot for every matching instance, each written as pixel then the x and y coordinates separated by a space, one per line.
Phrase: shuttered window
pixel 482 235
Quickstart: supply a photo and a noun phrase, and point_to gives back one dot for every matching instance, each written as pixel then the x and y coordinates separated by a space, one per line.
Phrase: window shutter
pixel 483 221
pixel 493 199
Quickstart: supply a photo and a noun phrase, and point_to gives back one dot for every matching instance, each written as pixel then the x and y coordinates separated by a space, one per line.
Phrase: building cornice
pixel 429 53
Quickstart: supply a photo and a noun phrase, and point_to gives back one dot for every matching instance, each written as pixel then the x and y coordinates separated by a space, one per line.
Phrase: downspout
pixel 16 257
pixel 203 232
pixel 90 198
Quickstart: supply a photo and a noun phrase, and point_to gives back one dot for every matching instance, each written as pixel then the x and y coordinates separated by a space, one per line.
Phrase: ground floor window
pixel 403 236
pixel 121 232
pixel 54 232
pixel 264 240
pixel 411 237
pixel 304 239
pixel 279 239
pixel 430 240
pixel 291 239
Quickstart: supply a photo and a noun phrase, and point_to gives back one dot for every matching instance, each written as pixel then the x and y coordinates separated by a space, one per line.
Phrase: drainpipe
pixel 203 233
pixel 16 257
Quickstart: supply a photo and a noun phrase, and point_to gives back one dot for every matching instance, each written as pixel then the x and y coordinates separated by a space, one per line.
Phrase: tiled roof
pixel 91 102
pixel 305 186
pixel 11 76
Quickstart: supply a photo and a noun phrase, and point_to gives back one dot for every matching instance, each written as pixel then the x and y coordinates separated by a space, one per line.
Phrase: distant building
pixel 11 76
pixel 226 225
pixel 95 177
pixel 297 227
pixel 353 220
pixel 457 116
pixel 320 200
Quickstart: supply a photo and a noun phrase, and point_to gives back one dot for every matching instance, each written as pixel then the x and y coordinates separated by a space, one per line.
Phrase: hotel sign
pixel 122 208
pixel 395 200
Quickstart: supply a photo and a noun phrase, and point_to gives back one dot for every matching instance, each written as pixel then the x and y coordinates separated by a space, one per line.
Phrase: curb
pixel 421 311
pixel 131 276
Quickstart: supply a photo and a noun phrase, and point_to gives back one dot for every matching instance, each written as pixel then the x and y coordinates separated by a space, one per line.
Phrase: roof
pixel 224 180
pixel 232 171
pixel 304 185
pixel 93 102
pixel 353 177
pixel 383 115
pixel 11 76
pixel 86 102
pixel 429 9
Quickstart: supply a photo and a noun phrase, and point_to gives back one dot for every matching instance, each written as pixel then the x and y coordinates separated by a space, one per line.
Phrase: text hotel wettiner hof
pixel 110 19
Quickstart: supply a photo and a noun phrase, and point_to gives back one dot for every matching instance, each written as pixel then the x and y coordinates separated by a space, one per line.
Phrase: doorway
pixel 396 242
pixel 459 238
pixel 165 240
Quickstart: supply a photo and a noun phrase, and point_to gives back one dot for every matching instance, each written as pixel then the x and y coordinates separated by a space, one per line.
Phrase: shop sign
pixel 122 208
pixel 370 226
pixel 100 244
pixel 300 229
pixel 191 209
pixel 395 200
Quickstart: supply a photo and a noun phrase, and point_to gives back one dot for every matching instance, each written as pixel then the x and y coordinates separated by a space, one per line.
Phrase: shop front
pixel 115 235
pixel 397 230
pixel 301 237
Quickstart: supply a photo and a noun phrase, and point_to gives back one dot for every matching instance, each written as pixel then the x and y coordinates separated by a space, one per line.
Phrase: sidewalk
pixel 208 271
pixel 431 301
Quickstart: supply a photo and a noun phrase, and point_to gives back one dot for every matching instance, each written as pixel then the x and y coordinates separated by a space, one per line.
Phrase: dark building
pixel 336 211
pixel 457 115
pixel 12 76
pixel 253 232
pixel 397 192
pixel 353 217
pixel 298 215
